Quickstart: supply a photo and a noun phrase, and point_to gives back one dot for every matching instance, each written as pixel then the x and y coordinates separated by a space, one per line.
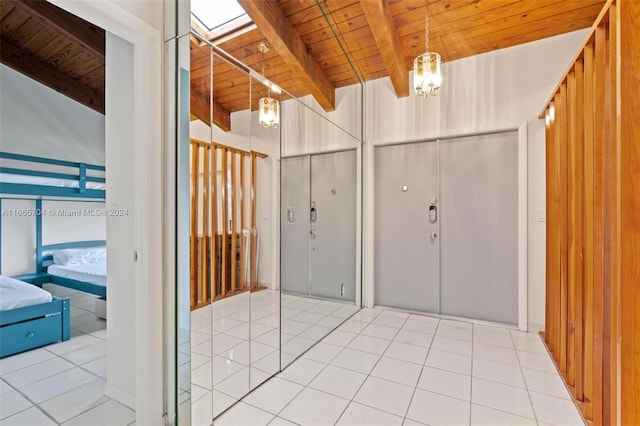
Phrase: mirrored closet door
pixel 235 303
pixel 319 228
pixel 240 329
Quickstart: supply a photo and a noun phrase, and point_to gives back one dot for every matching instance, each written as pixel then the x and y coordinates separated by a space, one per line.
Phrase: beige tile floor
pixel 378 368
pixel 389 368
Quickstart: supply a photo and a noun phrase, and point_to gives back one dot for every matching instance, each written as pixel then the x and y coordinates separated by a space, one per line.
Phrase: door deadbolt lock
pixel 313 232
pixel 433 213
pixel 313 213
pixel 433 235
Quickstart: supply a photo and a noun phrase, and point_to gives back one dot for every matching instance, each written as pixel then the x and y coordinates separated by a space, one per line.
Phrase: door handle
pixel 433 235
pixel 313 232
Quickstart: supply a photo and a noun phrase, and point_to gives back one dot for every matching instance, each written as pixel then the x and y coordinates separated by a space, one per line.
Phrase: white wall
pixel 121 377
pixel 62 221
pixel 492 91
pixel 36 120
pixel 18 238
pixel 537 226
pixel 306 128
pixel 495 90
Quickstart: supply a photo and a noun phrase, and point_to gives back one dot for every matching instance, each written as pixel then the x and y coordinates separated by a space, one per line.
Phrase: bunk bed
pixel 45 319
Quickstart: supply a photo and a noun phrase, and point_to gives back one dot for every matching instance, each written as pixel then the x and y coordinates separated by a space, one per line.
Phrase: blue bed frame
pixel 76 172
pixel 46 260
pixel 33 326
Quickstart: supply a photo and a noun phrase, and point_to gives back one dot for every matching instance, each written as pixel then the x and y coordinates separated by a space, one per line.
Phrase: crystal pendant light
pixel 426 67
pixel 269 108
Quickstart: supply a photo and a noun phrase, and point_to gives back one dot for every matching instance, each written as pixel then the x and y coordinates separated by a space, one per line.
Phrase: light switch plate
pixel 542 215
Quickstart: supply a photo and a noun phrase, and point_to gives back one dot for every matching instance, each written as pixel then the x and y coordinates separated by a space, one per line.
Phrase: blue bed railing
pixel 38 183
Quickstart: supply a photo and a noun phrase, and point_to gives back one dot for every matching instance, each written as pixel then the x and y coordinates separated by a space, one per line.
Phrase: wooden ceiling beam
pixel 383 29
pixel 200 110
pixel 273 23
pixel 87 35
pixel 40 71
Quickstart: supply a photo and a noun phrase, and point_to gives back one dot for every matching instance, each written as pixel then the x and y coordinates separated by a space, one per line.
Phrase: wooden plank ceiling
pixel 316 46
pixel 54 47
pixel 306 57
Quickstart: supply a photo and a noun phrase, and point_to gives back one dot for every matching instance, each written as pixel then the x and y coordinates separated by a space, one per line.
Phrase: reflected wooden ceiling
pixel 54 47
pixel 309 38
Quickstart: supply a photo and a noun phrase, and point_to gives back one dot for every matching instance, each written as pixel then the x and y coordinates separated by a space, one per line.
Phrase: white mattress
pixel 95 273
pixel 18 294
pixel 37 180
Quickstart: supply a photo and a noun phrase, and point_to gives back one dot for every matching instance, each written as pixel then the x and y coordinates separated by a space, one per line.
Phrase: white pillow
pixel 79 256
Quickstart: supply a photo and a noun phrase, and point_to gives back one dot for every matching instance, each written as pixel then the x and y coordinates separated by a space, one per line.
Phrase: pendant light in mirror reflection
pixel 427 77
pixel 269 108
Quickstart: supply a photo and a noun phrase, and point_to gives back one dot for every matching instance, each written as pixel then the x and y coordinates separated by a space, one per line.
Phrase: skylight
pixel 214 13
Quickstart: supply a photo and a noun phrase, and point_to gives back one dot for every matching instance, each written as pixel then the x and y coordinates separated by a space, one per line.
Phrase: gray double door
pixel 446 227
pixel 318 225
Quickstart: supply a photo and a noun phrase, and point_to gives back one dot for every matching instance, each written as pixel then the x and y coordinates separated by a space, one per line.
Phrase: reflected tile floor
pixel 225 363
pixel 62 383
pixel 389 368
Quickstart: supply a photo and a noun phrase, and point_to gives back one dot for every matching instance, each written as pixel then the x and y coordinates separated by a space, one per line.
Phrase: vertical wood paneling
pixel 588 226
pixel 243 240
pixel 215 266
pixel 600 122
pixel 611 219
pixel 599 150
pixel 577 230
pixel 219 215
pixel 561 124
pixel 225 221
pixel 629 209
pixel 204 278
pixel 553 234
pixel 253 235
pixel 548 249
pixel 574 232
pixel 234 213
pixel 194 224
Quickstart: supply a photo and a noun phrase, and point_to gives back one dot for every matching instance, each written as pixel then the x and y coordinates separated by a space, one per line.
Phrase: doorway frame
pixel 148 238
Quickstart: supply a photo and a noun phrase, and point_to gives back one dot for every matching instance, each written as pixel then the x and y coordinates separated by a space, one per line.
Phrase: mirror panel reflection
pixel 235 300
pixel 220 242
pixel 319 208
pixel 274 220
pixel 264 290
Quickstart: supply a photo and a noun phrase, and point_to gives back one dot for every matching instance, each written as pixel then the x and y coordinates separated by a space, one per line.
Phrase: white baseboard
pixel 120 396
pixel 535 328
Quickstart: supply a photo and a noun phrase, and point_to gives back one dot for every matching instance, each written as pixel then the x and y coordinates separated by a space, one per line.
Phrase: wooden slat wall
pixel 219 264
pixel 593 227
pixel 628 154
